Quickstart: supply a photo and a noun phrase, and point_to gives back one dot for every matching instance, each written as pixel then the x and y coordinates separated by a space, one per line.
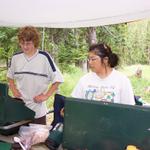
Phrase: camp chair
pixel 55 136
pixel 59 101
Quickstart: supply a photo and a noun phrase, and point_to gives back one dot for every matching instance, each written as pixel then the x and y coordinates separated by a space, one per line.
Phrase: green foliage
pixel 67 46
pixel 139 87
pixel 70 80
pixel 136 42
pixel 3 75
pixel 72 50
pixel 8 42
pixel 131 41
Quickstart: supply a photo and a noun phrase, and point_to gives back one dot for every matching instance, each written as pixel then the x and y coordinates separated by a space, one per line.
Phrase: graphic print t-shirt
pixel 115 88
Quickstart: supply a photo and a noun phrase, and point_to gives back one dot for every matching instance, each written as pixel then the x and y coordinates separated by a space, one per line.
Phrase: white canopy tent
pixel 71 13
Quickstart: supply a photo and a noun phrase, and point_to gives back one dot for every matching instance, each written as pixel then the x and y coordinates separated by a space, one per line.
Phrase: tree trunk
pixel 92 39
pixel 84 66
pixel 92 35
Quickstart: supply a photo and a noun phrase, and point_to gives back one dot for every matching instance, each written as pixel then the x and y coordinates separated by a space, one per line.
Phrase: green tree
pixel 8 43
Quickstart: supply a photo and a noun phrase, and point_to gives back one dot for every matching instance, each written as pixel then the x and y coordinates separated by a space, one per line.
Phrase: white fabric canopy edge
pixel 84 23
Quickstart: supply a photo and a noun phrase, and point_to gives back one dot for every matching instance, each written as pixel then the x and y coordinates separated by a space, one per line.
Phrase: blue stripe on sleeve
pixel 49 60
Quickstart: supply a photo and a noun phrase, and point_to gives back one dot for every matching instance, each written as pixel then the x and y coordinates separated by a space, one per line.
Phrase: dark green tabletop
pixel 96 125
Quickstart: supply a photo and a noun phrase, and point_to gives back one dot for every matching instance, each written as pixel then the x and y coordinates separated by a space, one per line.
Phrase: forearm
pixel 13 88
pixel 52 89
pixel 44 96
pixel 11 84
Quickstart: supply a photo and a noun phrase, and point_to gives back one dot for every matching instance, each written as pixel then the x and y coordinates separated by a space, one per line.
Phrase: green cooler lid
pixel 5 146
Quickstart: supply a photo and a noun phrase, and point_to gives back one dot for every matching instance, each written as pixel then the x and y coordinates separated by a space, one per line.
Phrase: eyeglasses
pixel 93 59
pixel 26 43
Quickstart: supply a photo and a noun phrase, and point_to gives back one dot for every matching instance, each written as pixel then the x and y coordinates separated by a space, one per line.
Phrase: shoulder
pixel 44 53
pixel 15 57
pixel 47 56
pixel 17 54
pixel 87 77
pixel 119 75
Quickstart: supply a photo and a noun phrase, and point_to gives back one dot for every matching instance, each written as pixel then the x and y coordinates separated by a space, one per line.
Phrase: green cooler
pixel 94 125
pixel 13 112
pixel 5 146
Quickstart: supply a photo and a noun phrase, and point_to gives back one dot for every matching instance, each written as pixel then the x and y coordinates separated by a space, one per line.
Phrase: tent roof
pixel 71 13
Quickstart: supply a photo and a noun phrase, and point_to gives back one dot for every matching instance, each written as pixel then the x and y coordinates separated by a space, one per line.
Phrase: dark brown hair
pixel 103 50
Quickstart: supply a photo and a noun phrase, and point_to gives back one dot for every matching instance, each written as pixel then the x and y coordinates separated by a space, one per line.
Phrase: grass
pixel 70 80
pixel 130 70
pixel 139 84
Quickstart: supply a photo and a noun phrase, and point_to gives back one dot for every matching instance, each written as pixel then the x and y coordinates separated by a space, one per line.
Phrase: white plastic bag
pixel 33 134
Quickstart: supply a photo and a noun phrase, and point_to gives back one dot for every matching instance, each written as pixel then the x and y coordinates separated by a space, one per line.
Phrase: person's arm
pixel 44 96
pixel 127 95
pixel 54 76
pixel 13 88
pixel 78 91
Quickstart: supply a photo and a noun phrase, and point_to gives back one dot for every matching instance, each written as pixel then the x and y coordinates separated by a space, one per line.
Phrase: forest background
pixel 68 47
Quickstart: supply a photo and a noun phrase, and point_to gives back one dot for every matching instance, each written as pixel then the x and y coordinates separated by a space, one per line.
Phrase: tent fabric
pixel 71 13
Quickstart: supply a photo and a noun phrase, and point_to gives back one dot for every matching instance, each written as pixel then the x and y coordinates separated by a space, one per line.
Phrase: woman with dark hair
pixel 104 82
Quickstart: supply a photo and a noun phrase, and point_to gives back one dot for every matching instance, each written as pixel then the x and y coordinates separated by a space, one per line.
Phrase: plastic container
pixel 55 137
pixel 33 134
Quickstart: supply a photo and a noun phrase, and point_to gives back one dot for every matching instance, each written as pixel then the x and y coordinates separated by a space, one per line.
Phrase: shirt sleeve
pixel 127 95
pixel 10 72
pixel 54 75
pixel 57 76
pixel 78 91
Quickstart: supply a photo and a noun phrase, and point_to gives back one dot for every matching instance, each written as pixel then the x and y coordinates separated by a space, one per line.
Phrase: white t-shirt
pixel 33 76
pixel 115 88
